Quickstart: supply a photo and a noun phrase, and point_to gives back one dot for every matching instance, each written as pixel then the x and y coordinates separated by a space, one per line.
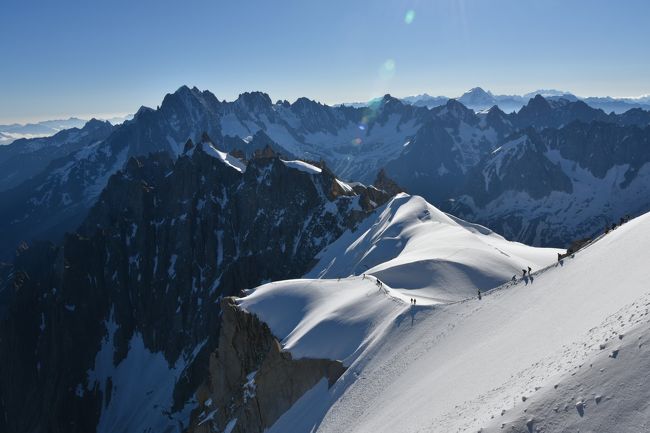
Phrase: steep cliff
pixel 252 381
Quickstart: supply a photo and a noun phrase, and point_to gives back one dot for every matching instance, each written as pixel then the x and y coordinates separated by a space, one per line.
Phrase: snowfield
pixel 565 350
pixel 422 252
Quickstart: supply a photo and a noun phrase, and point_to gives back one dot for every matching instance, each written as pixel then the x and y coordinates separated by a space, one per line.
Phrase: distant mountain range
pixel 479 100
pixel 46 128
pixel 442 153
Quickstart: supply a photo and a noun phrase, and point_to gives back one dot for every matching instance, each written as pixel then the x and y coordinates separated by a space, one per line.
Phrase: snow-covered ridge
pixel 224 157
pixel 421 251
pixel 306 313
pixel 476 364
pixel 303 166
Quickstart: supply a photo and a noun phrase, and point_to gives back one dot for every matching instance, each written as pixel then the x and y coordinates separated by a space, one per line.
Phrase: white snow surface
pixel 142 383
pixel 224 157
pixel 563 351
pixel 423 252
pixel 302 166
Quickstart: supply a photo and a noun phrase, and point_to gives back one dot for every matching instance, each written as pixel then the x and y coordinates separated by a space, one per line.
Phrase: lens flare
pixel 410 16
pixel 387 70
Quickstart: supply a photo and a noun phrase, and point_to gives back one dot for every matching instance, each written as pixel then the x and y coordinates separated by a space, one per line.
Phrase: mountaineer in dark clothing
pixel 479 294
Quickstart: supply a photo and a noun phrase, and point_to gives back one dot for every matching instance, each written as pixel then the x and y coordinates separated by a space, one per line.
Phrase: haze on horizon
pixel 76 58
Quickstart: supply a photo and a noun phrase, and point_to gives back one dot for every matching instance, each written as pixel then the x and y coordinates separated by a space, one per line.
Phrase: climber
pixel 479 294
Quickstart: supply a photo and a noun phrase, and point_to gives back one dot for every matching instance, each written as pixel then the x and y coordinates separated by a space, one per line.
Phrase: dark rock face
pixel 436 160
pixel 558 185
pixel 520 165
pixel 385 183
pixel 138 287
pixel 252 381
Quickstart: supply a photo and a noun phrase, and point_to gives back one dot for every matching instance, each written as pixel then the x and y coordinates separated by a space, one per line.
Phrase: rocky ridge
pixel 137 288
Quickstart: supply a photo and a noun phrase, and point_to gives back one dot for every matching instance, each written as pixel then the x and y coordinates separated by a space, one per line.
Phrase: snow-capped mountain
pixel 355 143
pixel 24 158
pixel 125 313
pixel 476 166
pixel 555 186
pixel 564 348
pixel 435 160
pixel 57 198
pixel 429 152
pixel 478 100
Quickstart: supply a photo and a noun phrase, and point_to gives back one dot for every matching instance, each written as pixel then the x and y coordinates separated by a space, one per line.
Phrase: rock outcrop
pixel 252 381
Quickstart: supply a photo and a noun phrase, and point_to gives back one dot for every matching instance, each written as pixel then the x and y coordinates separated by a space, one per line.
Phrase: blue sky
pixel 67 57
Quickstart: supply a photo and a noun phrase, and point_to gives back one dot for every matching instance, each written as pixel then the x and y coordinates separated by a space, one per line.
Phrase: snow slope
pixel 415 248
pixel 530 356
pixel 225 157
pixel 348 314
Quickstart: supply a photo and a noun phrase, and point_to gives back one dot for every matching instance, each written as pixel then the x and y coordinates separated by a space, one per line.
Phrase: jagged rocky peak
pixel 456 108
pixel 185 92
pixel 303 104
pixel 385 183
pixel 496 111
pixel 143 112
pixel 477 95
pixel 537 104
pixel 185 101
pixel 454 111
pixel 388 104
pixel 254 101
pixel 97 124
pixel 389 99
